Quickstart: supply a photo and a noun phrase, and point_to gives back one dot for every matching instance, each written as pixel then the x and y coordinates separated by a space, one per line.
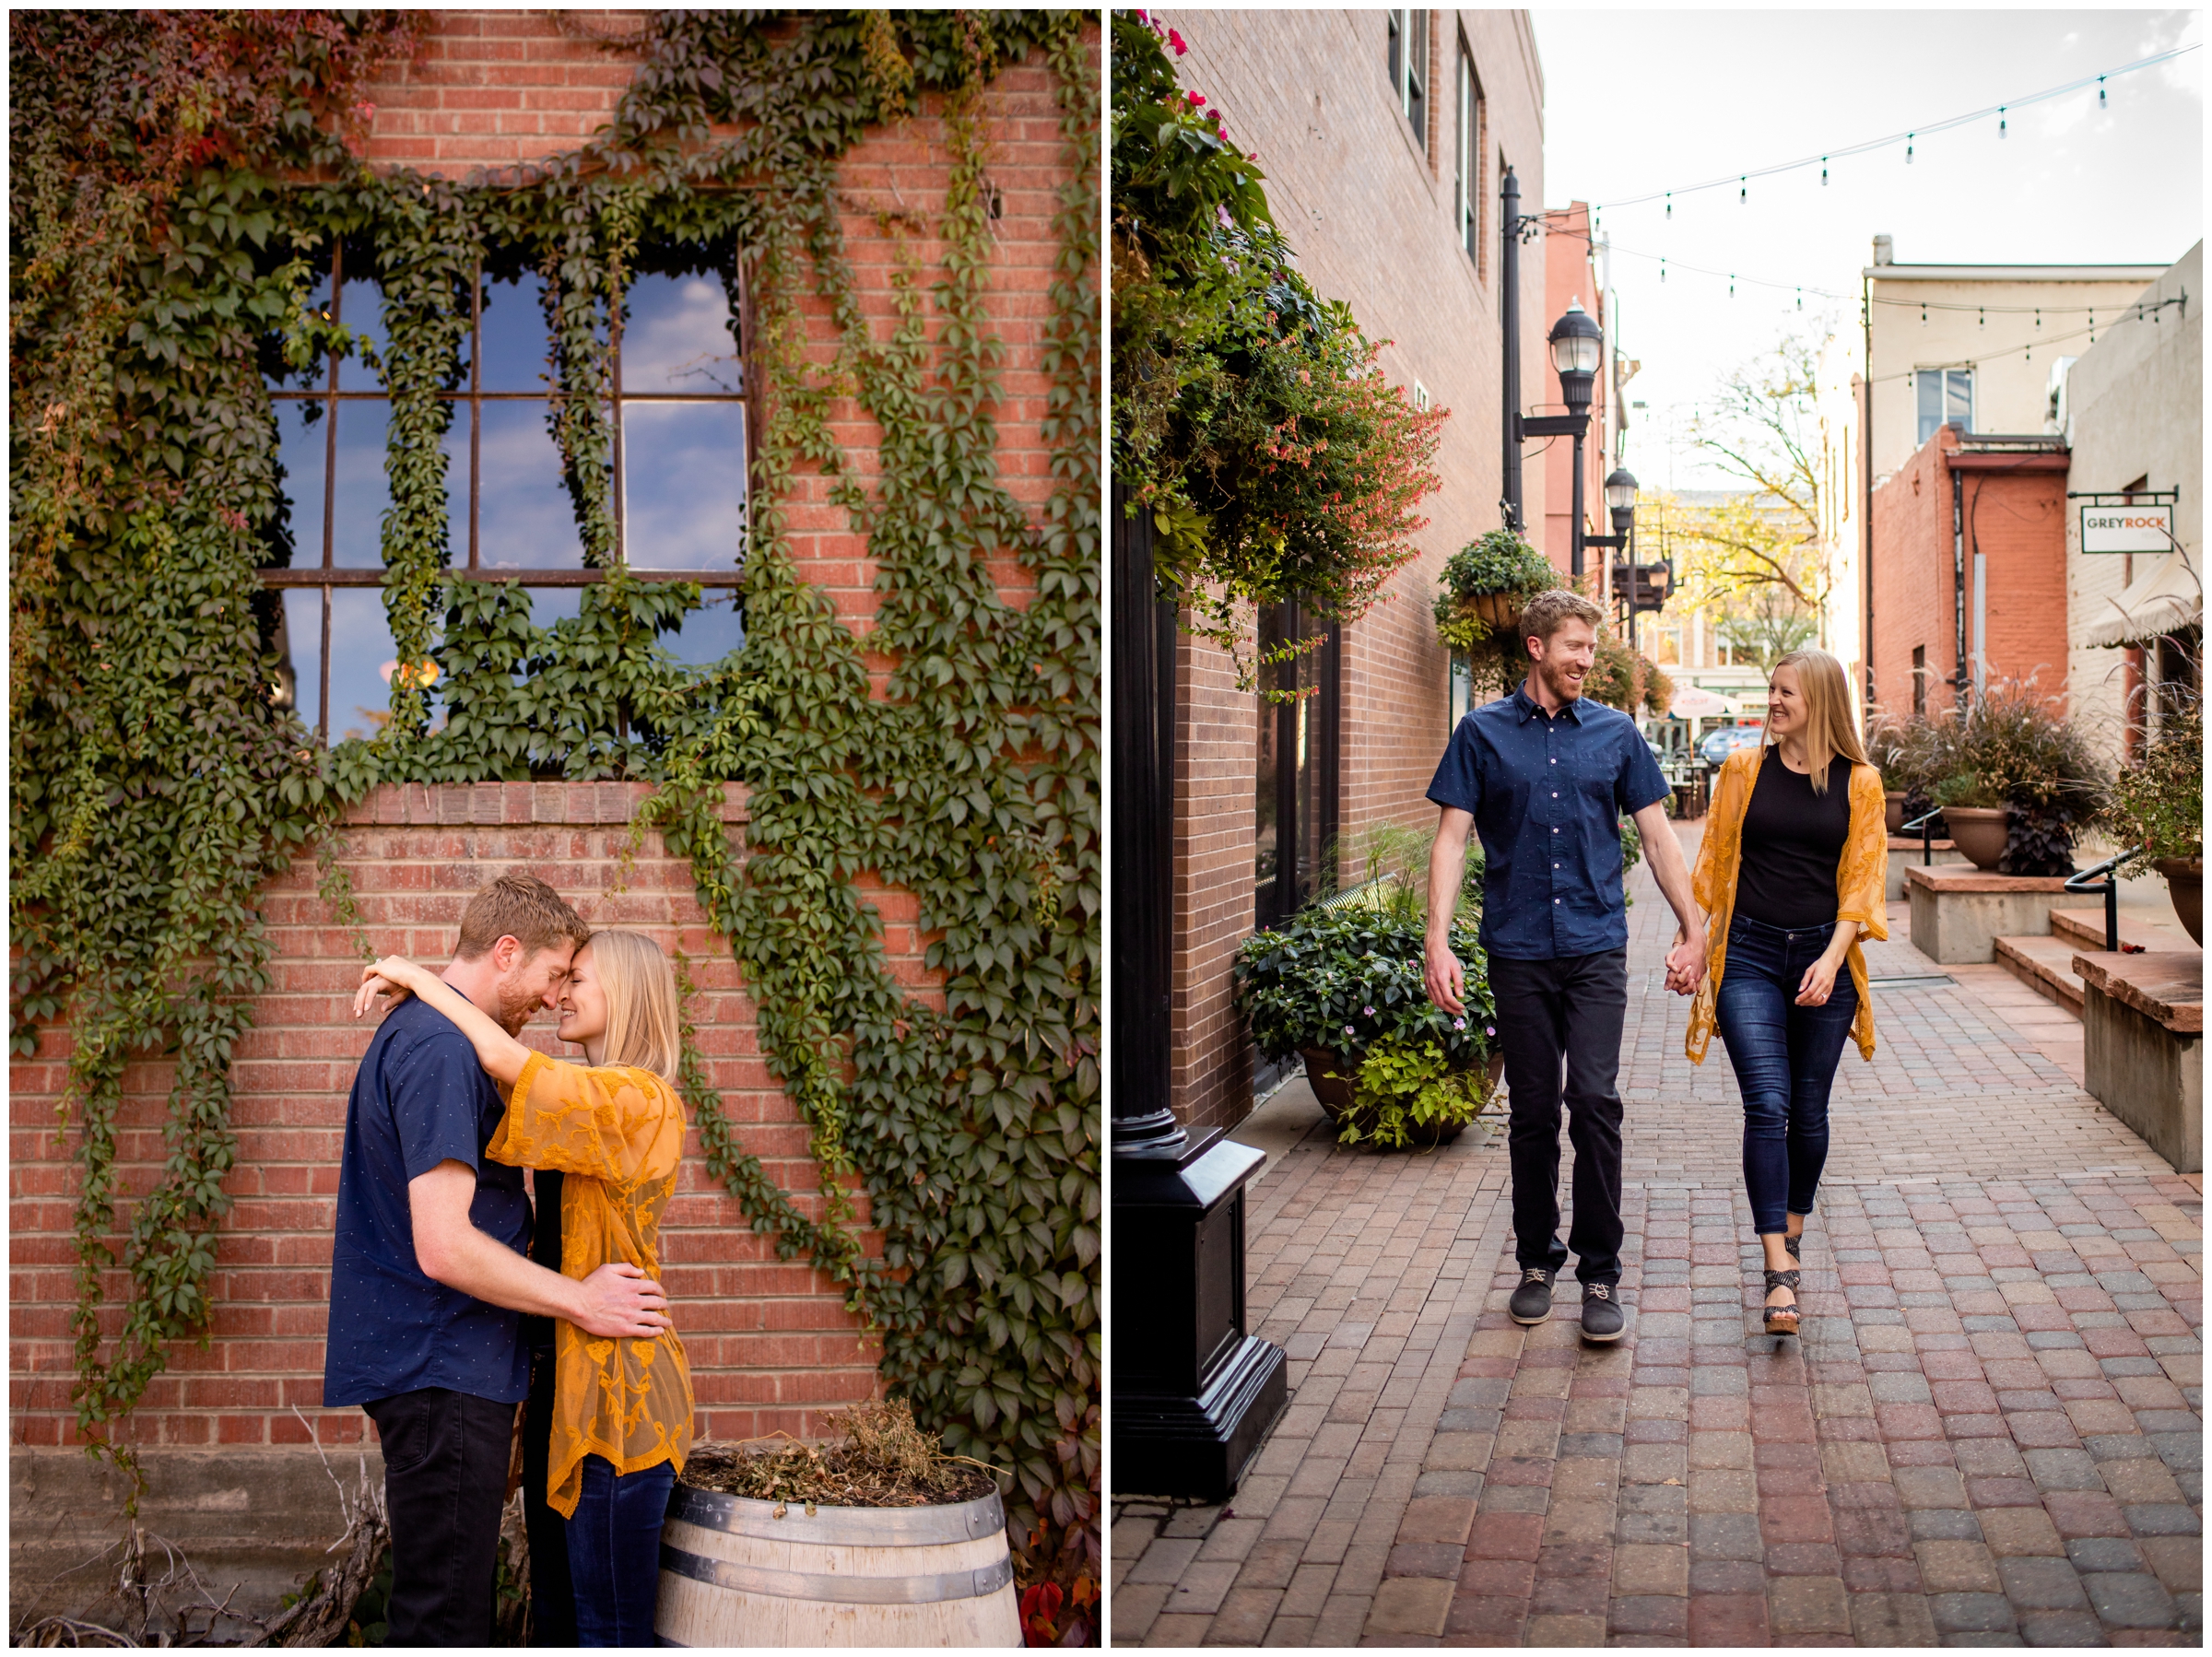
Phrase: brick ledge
pixel 492 804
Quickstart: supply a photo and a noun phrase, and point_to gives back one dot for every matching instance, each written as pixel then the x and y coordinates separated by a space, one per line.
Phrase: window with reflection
pixel 1294 792
pixel 681 442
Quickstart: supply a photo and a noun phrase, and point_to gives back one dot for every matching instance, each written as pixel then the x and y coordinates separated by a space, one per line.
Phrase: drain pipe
pixel 1959 678
pixel 1509 306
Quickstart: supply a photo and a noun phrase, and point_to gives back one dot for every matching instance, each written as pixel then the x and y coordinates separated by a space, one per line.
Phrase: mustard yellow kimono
pixel 617 1135
pixel 1859 881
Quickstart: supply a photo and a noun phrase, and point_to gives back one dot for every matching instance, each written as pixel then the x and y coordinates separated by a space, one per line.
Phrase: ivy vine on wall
pixel 160 280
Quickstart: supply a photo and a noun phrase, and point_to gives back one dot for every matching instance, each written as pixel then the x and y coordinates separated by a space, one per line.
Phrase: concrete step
pixel 2085 929
pixel 2046 966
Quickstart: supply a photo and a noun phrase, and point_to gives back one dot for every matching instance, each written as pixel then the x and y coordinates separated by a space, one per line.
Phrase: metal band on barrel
pixel 841 1527
pixel 838 1590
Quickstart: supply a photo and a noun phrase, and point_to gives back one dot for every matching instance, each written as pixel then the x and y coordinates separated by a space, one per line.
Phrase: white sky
pixel 1649 101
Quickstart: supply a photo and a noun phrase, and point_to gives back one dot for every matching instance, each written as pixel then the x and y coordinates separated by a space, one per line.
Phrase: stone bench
pixel 1905 852
pixel 2143 1029
pixel 1960 912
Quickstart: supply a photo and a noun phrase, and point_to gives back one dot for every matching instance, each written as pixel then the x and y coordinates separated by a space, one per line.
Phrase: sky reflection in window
pixel 678 337
pixel 301 442
pixel 362 659
pixel 525 518
pixel 684 473
pixel 515 336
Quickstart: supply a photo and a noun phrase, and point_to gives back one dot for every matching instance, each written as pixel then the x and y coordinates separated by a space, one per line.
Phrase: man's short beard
pixel 1556 680
pixel 517 1006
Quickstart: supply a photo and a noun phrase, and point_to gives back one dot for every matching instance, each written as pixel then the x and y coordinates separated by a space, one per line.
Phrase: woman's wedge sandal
pixel 1782 1320
pixel 1795 1246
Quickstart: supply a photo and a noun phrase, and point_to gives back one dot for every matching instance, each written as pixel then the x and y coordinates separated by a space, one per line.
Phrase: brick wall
pixel 1369 206
pixel 771 1347
pixel 2015 517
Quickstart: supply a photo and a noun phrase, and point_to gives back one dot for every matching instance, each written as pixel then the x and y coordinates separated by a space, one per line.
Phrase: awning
pixel 1694 701
pixel 2168 598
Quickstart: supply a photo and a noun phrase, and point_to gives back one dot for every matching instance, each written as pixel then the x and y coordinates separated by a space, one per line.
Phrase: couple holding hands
pixel 1789 877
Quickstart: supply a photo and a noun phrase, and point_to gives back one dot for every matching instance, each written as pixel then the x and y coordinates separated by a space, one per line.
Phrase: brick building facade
pixel 226 1435
pixel 1384 138
pixel 1999 581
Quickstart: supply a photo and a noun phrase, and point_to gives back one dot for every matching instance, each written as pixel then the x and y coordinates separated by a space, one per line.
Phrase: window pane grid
pixel 313 589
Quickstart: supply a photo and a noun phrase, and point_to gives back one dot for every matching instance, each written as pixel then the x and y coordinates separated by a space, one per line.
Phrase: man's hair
pixel 519 906
pixel 1549 612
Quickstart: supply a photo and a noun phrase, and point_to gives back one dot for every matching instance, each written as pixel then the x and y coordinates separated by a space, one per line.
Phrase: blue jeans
pixel 1785 1058
pixel 614 1552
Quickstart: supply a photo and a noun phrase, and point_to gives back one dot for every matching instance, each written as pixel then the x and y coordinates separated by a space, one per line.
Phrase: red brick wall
pixel 770 1342
pixel 1369 205
pixel 771 1346
pixel 2014 516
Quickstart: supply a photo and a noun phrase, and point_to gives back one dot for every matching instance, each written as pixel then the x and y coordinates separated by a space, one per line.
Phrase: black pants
pixel 1564 1013
pixel 552 1599
pixel 445 1479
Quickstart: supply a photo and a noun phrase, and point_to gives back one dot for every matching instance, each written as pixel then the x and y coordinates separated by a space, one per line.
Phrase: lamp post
pixel 1194 1391
pixel 1620 500
pixel 1577 344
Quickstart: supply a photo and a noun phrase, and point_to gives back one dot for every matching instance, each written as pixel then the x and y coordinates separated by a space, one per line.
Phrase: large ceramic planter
pixel 2185 881
pixel 1893 810
pixel 1978 831
pixel 1332 1079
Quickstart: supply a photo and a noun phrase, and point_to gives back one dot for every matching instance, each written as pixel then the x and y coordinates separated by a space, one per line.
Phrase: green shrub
pixel 2159 802
pixel 1406 1083
pixel 1344 978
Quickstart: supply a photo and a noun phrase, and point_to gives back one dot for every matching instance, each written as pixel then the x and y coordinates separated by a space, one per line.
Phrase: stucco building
pixel 1383 136
pixel 2133 412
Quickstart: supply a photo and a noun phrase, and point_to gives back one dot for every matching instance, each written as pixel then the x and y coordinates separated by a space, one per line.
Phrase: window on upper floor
pixel 1946 397
pixel 678 483
pixel 1409 68
pixel 1466 169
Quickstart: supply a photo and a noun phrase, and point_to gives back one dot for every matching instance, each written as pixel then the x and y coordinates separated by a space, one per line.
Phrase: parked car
pixel 1723 742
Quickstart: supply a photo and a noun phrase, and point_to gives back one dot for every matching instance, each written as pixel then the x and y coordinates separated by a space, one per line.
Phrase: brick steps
pixel 2045 966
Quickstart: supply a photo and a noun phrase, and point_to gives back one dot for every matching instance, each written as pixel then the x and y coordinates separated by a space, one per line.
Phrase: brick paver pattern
pixel 1988 1433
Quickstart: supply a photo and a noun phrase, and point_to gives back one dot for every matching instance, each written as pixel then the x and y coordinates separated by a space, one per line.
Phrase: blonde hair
pixel 644 1020
pixel 1829 729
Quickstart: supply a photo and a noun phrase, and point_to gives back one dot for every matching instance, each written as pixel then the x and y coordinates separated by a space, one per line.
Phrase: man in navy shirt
pixel 428 1275
pixel 1545 776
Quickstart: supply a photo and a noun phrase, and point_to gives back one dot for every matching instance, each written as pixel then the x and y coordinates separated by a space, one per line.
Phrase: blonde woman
pixel 610 1134
pixel 1791 874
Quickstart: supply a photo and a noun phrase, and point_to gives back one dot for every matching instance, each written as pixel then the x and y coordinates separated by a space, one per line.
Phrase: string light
pixel 1662 270
pixel 1732 284
pixel 1981 319
pixel 1907 149
pixel 1823 173
pixel 1670 203
pixel 1924 316
pixel 1801 299
pixel 1743 192
pixel 2000 120
pixel 2100 104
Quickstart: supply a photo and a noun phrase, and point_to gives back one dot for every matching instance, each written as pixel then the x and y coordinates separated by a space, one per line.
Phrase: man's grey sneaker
pixel 1602 1318
pixel 1532 1302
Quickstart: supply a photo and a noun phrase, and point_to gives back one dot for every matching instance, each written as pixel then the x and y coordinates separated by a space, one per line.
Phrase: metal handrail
pixel 1928 835
pixel 2086 882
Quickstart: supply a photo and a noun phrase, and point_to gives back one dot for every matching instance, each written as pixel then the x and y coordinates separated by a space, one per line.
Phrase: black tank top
pixel 1792 845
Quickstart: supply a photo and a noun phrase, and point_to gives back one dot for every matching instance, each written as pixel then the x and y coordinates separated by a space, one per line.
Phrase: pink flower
pixel 1175 40
pixel 1197 99
pixel 1459 1024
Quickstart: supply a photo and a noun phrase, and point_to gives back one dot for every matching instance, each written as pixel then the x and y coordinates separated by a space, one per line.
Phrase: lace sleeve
pixel 607 1121
pixel 1860 875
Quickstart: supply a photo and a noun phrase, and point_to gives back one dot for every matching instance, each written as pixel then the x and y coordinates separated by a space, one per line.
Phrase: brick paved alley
pixel 1990 1433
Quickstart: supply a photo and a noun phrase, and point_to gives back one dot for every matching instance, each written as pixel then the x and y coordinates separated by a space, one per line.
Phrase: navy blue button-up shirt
pixel 1548 793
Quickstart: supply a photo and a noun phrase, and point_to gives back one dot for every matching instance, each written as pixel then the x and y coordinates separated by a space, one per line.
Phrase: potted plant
pixel 1485 584
pixel 777 1541
pixel 2016 780
pixel 1341 983
pixel 1904 751
pixel 1975 814
pixel 2158 804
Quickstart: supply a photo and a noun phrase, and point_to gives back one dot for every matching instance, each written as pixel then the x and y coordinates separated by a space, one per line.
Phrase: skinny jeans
pixel 615 1551
pixel 1784 1057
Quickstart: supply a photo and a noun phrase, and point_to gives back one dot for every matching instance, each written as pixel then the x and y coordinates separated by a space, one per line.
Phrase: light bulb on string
pixel 1923 315
pixel 2000 120
pixel 1801 299
pixel 1907 149
pixel 1662 270
pixel 1823 173
pixel 2101 105
pixel 1670 203
pixel 1732 284
pixel 1980 318
pixel 1743 191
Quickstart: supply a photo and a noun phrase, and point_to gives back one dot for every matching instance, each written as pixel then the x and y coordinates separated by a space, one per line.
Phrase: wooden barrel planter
pixel 740 1573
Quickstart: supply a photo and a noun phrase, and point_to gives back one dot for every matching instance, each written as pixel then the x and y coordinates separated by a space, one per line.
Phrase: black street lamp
pixel 1577 344
pixel 1194 1391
